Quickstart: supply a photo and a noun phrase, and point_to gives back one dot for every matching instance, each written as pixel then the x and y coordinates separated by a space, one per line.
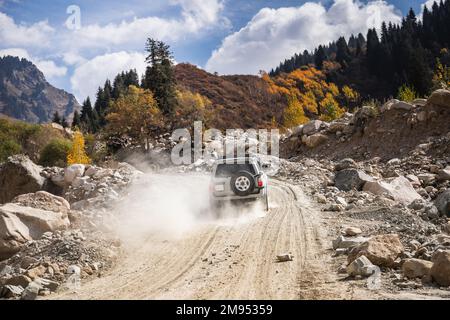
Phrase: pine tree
pixel 76 120
pixel 56 118
pixel 88 118
pixel 159 77
pixel 343 52
pixel 64 122
pixel 320 57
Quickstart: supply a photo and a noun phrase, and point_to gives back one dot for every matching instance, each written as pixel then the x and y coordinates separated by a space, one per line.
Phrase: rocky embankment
pixel 47 240
pixel 390 215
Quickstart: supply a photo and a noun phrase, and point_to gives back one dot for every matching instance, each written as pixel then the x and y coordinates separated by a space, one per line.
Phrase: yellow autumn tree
pixel 77 153
pixel 294 114
pixel 350 96
pixel 309 102
pixel 135 114
pixel 441 77
pixel 330 109
pixel 192 107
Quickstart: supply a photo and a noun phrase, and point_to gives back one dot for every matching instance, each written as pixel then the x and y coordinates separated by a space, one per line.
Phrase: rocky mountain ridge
pixel 26 95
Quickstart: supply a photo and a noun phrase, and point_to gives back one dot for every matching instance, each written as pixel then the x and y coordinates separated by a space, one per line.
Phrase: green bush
pixel 18 130
pixel 8 147
pixel 55 153
pixel 407 94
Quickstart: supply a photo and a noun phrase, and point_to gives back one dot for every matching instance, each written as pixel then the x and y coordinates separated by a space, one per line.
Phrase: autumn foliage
pixel 309 95
pixel 77 153
pixel 135 114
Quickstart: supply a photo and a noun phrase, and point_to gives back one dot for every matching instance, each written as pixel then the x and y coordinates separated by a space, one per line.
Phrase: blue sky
pixel 227 36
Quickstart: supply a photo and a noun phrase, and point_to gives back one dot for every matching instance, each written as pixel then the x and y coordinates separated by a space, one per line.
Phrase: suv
pixel 238 180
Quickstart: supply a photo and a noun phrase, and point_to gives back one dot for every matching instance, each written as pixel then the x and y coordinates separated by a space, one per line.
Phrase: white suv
pixel 238 180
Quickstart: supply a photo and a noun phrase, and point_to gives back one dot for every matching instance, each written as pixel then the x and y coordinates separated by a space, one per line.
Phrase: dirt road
pixel 227 259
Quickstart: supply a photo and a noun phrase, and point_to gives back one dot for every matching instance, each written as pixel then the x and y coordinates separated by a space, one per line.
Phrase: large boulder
pixel 19 175
pixel 401 105
pixel 440 98
pixel 444 174
pixel 44 201
pixel 19 224
pixel 388 105
pixel 442 203
pixel 416 268
pixel 312 127
pixel 440 271
pixel 399 189
pixel 381 250
pixel 314 140
pixel 350 179
pixel 13 235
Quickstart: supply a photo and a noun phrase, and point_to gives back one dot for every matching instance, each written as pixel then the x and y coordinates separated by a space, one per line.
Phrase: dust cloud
pixel 169 206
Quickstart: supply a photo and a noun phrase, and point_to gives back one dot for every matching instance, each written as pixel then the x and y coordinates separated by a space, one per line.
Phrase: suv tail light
pixel 260 182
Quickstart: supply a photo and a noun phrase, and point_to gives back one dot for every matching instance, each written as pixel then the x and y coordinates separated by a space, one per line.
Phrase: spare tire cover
pixel 242 183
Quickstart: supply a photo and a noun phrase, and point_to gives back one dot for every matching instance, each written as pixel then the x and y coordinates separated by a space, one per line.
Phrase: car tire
pixel 242 183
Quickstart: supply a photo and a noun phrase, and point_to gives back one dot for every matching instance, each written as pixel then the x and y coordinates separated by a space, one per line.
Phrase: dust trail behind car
pixel 169 206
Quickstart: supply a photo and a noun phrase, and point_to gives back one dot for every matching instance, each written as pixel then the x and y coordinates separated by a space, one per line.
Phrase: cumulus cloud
pixel 91 74
pixel 276 34
pixel 196 16
pixel 48 67
pixel 13 34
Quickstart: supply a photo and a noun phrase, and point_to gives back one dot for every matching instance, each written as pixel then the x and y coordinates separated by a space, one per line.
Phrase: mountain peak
pixel 26 95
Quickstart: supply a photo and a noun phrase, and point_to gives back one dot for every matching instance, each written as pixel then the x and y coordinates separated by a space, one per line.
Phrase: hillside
pixel 26 95
pixel 238 101
pixel 414 53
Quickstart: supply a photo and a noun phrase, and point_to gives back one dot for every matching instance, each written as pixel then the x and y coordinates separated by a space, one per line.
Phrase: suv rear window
pixel 227 170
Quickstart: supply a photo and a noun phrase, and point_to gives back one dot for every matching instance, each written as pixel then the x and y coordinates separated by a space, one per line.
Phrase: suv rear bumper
pixel 255 196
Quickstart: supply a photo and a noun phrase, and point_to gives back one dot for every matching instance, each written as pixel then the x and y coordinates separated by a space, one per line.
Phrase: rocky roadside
pixel 50 242
pixel 390 221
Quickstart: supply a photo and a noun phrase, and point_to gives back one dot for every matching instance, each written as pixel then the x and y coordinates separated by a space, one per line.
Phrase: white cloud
pixel 276 34
pixel 90 75
pixel 48 67
pixel 35 35
pixel 196 16
pixel 428 4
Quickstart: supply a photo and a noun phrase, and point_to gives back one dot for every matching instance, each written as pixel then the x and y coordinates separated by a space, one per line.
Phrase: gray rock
pixel 31 292
pixel 345 243
pixel 10 291
pixel 345 164
pixel 360 267
pixel 442 203
pixel 399 189
pixel 427 178
pixel 351 179
pixel 444 174
pixel 72 172
pixel 47 284
pixel 19 175
pixel 314 140
pixel 312 127
pixel 419 102
pixel 285 257
pixel 440 98
pixel 402 106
